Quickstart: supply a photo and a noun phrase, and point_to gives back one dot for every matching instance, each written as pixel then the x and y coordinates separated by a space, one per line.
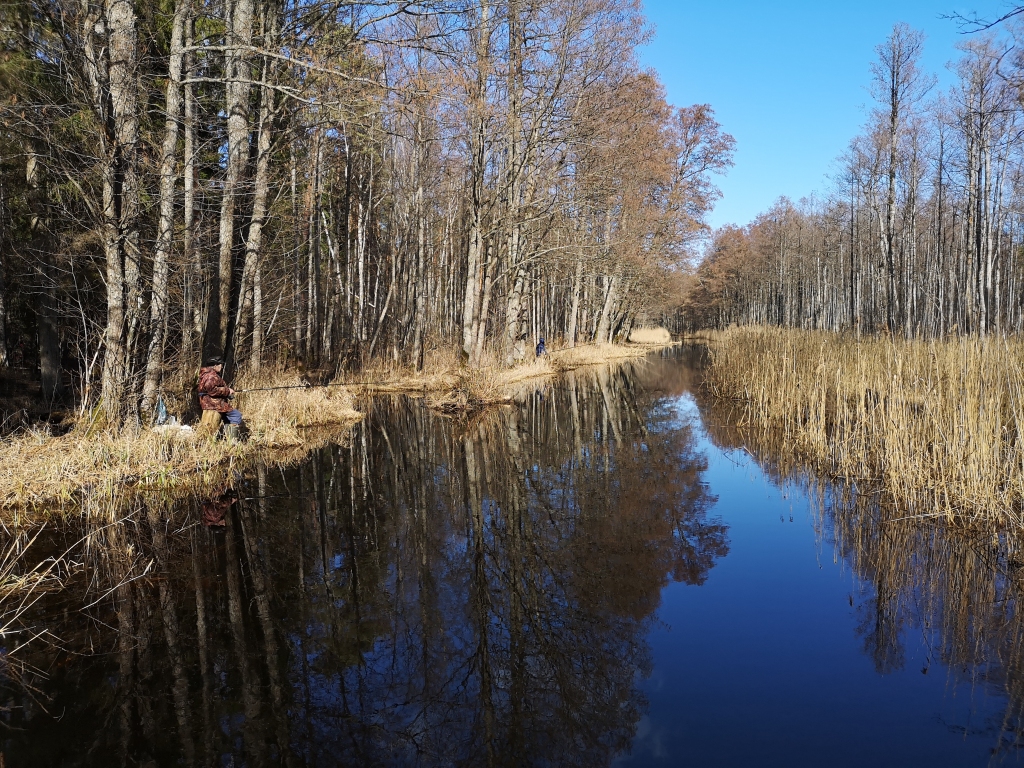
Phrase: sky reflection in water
pixel 591 577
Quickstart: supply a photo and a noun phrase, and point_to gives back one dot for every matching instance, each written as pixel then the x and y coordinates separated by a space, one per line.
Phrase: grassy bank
pixel 39 470
pixel 45 474
pixel 939 424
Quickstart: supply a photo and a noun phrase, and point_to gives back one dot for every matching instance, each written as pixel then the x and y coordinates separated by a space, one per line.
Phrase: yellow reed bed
pixel 933 421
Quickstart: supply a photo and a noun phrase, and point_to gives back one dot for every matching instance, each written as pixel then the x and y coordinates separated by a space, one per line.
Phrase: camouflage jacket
pixel 213 391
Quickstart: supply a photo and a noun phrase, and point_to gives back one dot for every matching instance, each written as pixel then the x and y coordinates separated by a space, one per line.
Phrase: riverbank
pixel 937 425
pixel 43 475
pixel 47 474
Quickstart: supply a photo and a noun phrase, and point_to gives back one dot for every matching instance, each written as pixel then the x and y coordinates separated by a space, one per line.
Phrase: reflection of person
pixel 215 510
pixel 215 395
pixel 541 349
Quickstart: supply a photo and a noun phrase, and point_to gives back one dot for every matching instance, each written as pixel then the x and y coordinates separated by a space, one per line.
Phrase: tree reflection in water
pixel 436 592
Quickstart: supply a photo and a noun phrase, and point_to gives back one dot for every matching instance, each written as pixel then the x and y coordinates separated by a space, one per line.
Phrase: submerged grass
pixel 938 424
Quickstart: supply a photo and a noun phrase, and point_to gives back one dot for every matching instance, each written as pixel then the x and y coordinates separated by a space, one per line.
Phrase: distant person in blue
pixel 541 349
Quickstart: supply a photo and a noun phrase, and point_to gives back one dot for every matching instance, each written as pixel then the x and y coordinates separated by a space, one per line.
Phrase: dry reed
pixel 277 418
pixel 650 336
pixel 570 359
pixel 937 423
pixel 47 473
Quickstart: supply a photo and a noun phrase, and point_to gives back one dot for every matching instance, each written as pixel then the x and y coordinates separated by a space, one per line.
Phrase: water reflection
pixel 435 592
pixel 213 511
pixel 957 591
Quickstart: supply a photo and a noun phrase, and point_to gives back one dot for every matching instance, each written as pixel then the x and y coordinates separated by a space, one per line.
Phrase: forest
pixel 920 234
pixel 324 184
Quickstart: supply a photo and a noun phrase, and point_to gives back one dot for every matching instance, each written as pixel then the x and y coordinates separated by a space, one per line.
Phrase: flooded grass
pixel 937 424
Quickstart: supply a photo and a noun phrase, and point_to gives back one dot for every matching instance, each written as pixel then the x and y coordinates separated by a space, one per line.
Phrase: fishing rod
pixel 320 386
pixel 289 386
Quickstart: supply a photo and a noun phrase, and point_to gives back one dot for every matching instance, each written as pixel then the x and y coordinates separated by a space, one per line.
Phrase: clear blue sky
pixel 788 79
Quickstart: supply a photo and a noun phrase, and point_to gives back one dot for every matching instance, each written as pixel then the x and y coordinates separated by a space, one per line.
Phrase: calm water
pixel 602 574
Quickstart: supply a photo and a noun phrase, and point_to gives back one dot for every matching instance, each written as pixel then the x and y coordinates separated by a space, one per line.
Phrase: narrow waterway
pixel 604 573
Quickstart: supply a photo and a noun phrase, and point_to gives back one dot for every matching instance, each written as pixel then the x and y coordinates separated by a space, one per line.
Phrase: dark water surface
pixel 602 574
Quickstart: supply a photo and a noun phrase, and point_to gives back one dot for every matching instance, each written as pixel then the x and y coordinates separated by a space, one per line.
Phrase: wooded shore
pixel 332 186
pixel 43 475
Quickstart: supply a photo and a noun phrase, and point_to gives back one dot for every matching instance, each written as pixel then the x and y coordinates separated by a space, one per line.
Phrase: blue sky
pixel 788 79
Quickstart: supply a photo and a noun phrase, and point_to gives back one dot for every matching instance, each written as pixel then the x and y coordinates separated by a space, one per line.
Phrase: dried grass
pixel 650 336
pixel 450 387
pixel 48 474
pixel 441 371
pixel 569 359
pixel 479 387
pixel 279 418
pixel 937 423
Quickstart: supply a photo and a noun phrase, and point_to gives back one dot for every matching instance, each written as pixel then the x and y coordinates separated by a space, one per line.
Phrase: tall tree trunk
pixel 165 224
pixel 298 278
pixel 238 87
pixel 121 189
pixel 485 304
pixel 577 288
pixel 261 192
pixel 50 378
pixel 514 347
pixel 478 165
pixel 46 303
pixel 194 311
pixel 604 328
pixel 420 288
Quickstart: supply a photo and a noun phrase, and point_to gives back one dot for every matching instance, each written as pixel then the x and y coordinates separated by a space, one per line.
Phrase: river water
pixel 605 573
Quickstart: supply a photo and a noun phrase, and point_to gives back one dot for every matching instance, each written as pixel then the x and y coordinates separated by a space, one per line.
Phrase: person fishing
pixel 215 395
pixel 541 349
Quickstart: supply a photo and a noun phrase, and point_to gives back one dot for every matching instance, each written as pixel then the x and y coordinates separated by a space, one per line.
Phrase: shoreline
pixel 42 476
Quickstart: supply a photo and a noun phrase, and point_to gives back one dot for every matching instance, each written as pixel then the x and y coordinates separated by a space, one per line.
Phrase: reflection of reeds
pixel 938 421
pixel 21 587
pixel 961 588
pixel 23 582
